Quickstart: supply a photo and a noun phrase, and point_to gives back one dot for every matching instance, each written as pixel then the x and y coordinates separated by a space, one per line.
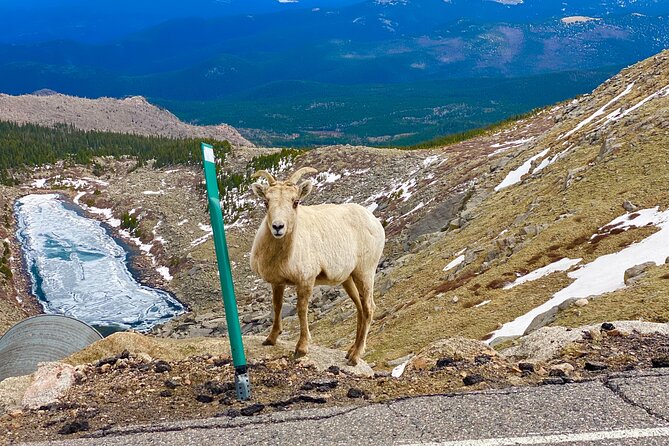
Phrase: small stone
pixel 204 398
pixel 171 384
pixel 310 399
pixel 552 381
pixel 322 385
pixel 232 413
pixel 217 387
pixel 166 393
pixel 105 368
pixel 162 366
pixel 74 427
pixel 483 359
pixel 470 380
pixel 629 207
pixel 660 362
pixel 221 362
pixel 581 302
pixel 125 354
pixel 110 361
pixel 455 299
pixel 594 366
pixel 614 333
pixel 252 409
pixel 445 362
pixel 561 370
pixel 526 366
pixel 355 393
pixel 608 326
pixel 334 370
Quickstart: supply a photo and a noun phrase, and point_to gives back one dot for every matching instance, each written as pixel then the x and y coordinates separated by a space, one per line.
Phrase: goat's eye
pixel 295 204
pixel 266 203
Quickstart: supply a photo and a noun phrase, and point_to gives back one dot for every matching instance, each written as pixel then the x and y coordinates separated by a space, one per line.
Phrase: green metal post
pixel 242 384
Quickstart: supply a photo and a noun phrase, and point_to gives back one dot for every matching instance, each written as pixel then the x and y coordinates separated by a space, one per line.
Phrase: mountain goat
pixel 304 246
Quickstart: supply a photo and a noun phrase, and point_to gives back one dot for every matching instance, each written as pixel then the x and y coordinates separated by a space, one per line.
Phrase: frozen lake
pixel 79 270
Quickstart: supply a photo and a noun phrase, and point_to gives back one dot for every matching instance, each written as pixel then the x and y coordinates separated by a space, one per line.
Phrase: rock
pixel 607 326
pixel 252 409
pixel 660 362
pixel 445 362
pixel 217 387
pixel 543 344
pixel 594 366
pixel 542 320
pixel 50 382
pixel 608 147
pixel 107 361
pixel 79 425
pixel 334 370
pixel 321 385
pixel 635 273
pixel 398 361
pixel 355 393
pixel 470 380
pixel 629 207
pixel 581 302
pixel 166 393
pixel 162 366
pixel 171 384
pixel 526 366
pixel 561 370
pixel 12 391
pixel 204 398
pixel 552 381
pixel 434 220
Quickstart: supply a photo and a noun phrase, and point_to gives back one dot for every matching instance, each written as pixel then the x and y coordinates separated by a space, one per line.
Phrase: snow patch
pixel 515 176
pixel 455 262
pixel 599 112
pixel 604 274
pixel 165 272
pixel 561 265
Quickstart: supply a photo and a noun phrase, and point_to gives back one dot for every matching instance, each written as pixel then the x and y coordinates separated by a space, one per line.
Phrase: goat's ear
pixel 259 190
pixel 305 188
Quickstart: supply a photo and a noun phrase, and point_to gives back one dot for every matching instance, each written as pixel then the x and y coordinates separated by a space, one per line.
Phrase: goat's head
pixel 282 199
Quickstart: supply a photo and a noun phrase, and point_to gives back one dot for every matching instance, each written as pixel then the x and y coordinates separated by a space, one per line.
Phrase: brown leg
pixel 352 291
pixel 303 296
pixel 365 285
pixel 277 302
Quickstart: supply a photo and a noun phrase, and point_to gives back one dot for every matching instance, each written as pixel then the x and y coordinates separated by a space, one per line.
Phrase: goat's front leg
pixel 277 303
pixel 303 296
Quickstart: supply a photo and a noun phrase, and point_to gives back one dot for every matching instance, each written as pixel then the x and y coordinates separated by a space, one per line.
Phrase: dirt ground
pixel 128 389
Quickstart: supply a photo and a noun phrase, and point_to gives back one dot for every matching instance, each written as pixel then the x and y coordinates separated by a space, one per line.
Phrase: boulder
pixel 12 391
pixel 50 382
pixel 637 272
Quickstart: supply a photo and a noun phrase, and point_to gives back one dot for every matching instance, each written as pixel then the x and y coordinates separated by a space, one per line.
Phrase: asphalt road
pixel 628 409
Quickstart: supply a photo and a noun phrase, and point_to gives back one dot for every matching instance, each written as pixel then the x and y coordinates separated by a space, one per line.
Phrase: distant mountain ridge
pixel 130 115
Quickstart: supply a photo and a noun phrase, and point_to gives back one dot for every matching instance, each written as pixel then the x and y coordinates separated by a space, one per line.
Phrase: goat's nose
pixel 277 226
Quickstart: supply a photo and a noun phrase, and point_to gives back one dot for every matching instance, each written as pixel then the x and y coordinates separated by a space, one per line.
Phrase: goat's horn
pixel 295 177
pixel 266 175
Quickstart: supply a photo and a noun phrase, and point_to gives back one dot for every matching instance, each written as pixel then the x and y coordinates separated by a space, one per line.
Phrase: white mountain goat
pixel 304 246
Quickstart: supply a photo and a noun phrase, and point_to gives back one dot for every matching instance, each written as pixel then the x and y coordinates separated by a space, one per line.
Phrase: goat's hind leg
pixel 277 303
pixel 365 286
pixel 352 291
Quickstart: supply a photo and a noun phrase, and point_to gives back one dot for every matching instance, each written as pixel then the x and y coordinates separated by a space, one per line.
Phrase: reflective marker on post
pixel 242 384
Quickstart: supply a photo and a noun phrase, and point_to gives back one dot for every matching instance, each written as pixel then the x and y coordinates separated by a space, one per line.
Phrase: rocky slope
pixel 507 225
pixel 130 115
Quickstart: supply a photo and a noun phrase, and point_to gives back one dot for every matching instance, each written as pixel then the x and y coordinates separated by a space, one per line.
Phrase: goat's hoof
pixel 269 341
pixel 353 361
pixel 300 353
